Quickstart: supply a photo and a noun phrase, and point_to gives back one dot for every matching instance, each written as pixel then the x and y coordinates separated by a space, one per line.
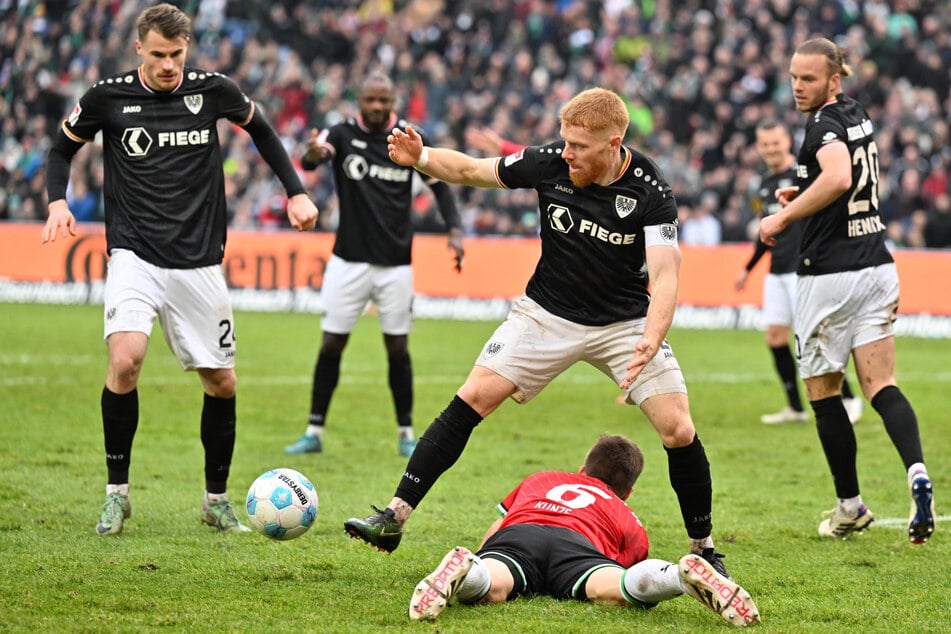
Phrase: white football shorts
pixel 839 312
pixel 348 286
pixel 532 347
pixel 779 299
pixel 192 306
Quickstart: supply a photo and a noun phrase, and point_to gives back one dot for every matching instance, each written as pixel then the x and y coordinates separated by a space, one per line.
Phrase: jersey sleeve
pixel 529 166
pixel 508 501
pixel 235 105
pixel 636 545
pixel 662 207
pixel 87 116
pixel 823 132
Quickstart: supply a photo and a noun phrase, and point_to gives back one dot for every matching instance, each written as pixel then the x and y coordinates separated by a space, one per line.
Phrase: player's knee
pixel 220 383
pixel 333 344
pixel 606 593
pixel 124 371
pixel 680 435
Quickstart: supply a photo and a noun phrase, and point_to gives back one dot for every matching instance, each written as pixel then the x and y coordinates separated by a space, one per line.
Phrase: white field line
pixel 902 522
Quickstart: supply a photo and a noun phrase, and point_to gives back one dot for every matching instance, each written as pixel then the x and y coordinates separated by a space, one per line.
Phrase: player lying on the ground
pixel 572 536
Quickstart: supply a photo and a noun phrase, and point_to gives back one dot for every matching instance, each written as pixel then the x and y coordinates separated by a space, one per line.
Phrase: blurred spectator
pixel 82 201
pixel 696 76
pixel 701 227
pixel 937 230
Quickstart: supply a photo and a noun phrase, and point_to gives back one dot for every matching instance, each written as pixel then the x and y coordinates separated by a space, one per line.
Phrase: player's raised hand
pixel 60 219
pixel 406 147
pixel 316 150
pixel 302 212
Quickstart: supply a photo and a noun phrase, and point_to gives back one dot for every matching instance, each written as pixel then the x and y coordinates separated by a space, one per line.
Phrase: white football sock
pixel 405 432
pixel 476 584
pixel 122 489
pixel 214 498
pixel 697 546
pixel 850 506
pixel 315 430
pixel 916 471
pixel 652 581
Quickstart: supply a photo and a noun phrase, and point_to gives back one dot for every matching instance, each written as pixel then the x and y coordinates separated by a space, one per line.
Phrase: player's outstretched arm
pixel 406 148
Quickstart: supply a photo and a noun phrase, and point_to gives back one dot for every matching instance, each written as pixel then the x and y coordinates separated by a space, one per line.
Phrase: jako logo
pixel 128 109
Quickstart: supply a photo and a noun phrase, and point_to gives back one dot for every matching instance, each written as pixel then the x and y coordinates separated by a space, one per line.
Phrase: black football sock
pixel 401 386
pixel 786 368
pixel 846 389
pixel 689 472
pixel 217 437
pixel 838 443
pixel 901 423
pixel 326 375
pixel 120 419
pixel 438 449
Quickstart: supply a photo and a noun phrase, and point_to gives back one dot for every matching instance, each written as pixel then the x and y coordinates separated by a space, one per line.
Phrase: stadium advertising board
pixel 283 270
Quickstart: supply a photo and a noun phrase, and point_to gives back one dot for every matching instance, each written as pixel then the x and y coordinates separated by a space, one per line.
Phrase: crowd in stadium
pixel 697 76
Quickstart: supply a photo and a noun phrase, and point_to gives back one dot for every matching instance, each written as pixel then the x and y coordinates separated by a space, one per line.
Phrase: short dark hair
pixel 376 79
pixel 165 19
pixel 615 460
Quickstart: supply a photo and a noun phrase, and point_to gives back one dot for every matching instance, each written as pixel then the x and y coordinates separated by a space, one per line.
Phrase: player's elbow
pixel 841 182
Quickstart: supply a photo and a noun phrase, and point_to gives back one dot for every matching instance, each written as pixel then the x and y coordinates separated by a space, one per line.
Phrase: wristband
pixel 423 158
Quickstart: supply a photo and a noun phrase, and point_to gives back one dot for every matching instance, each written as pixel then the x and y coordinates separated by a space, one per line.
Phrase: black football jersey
pixel 848 234
pixel 164 186
pixel 592 268
pixel 785 253
pixel 376 195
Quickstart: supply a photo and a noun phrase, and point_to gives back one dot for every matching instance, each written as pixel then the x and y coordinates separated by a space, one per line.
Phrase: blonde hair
pixel 835 60
pixel 596 110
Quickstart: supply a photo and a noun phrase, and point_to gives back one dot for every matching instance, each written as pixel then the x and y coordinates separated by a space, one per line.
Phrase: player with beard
pixel 371 255
pixel 847 290
pixel 608 225
pixel 774 146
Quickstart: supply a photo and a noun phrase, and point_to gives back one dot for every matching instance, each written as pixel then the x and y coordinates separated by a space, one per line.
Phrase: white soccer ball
pixel 282 504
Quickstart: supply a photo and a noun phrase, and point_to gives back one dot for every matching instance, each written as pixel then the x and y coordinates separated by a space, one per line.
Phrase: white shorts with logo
pixel 779 299
pixel 348 286
pixel 192 306
pixel 839 312
pixel 532 347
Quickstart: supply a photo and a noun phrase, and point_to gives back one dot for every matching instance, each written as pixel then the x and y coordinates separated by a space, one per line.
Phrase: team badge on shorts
pixel 624 206
pixel 492 349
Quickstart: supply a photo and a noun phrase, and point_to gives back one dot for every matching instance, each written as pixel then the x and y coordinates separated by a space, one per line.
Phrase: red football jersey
pixel 580 503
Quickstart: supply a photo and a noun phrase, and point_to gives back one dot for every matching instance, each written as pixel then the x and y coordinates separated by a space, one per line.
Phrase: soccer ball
pixel 282 504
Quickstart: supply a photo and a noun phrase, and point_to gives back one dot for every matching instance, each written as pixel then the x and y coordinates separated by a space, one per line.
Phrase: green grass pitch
pixel 168 573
